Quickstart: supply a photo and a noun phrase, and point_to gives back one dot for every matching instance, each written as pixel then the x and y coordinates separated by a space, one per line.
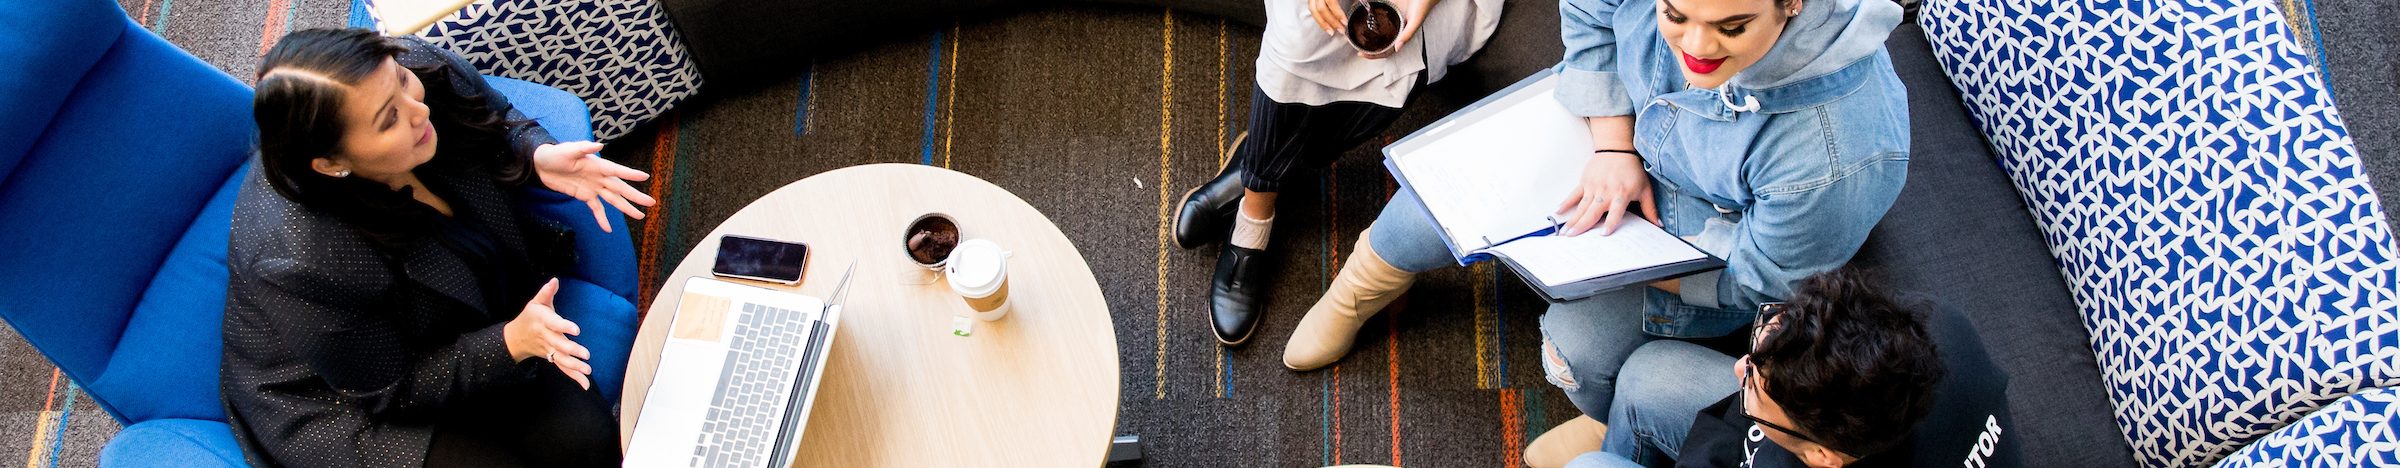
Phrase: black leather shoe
pixel 1207 213
pixel 1234 297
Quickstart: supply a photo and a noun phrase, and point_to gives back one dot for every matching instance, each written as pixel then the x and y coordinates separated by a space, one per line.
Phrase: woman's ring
pixel 552 357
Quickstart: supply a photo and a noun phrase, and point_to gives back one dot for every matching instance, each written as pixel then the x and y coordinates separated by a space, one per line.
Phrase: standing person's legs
pixel 1285 142
pixel 1389 255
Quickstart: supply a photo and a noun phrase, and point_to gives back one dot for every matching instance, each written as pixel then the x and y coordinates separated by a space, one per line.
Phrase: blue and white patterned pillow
pixel 621 56
pixel 2192 177
pixel 2356 431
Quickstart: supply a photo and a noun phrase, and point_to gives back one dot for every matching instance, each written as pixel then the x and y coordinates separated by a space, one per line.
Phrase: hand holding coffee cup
pixel 1374 27
pixel 1380 28
pixel 978 272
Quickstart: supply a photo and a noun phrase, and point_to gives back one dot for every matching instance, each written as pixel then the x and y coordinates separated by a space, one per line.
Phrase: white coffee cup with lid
pixel 978 271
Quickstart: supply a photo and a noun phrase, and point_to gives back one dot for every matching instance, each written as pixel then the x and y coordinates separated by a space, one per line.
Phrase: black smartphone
pixel 753 258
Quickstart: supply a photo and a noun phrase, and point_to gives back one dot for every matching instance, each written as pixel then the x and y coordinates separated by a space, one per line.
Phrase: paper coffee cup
pixel 978 272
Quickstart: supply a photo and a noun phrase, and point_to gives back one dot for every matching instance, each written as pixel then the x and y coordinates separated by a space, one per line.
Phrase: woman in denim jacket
pixel 1773 133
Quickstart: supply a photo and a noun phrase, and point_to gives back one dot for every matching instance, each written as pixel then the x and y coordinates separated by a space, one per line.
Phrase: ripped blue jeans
pixel 1586 341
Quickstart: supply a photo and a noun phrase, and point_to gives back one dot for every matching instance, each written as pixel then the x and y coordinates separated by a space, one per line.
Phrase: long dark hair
pixel 299 120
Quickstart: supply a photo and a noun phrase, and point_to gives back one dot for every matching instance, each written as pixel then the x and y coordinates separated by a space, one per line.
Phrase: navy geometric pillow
pixel 2190 173
pixel 621 56
pixel 2356 431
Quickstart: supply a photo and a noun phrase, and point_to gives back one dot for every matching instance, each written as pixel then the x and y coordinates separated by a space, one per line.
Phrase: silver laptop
pixel 736 378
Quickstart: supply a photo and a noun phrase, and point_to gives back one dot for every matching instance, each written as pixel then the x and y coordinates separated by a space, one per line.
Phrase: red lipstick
pixel 1700 65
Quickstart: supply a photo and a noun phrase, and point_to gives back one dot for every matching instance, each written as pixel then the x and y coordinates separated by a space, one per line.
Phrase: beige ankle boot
pixel 1562 444
pixel 1364 286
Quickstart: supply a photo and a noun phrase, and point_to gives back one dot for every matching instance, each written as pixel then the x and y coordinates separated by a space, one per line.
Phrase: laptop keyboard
pixel 741 429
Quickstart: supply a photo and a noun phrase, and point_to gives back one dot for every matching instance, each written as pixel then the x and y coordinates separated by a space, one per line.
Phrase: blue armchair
pixel 119 158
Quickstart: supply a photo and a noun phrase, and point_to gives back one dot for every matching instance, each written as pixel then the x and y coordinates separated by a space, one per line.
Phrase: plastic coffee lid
pixel 976 265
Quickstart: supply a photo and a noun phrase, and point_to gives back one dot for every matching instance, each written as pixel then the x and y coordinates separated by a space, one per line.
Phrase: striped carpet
pixel 1084 113
pixel 1101 118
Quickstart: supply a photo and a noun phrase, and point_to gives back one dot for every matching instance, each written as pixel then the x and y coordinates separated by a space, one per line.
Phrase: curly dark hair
pixel 1851 366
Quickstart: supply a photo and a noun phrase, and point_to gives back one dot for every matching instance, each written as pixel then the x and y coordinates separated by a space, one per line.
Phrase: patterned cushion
pixel 2356 431
pixel 621 56
pixel 2204 202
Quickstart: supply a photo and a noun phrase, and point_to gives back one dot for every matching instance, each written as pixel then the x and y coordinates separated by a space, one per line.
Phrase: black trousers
pixel 547 422
pixel 1289 141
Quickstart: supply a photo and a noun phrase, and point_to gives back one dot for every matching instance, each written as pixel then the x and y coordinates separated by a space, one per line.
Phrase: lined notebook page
pixel 1502 169
pixel 1557 260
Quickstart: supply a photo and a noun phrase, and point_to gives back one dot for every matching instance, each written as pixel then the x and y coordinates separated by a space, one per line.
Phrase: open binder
pixel 1490 176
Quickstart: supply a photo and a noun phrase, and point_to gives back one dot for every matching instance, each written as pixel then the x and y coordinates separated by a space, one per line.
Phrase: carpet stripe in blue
pixel 808 79
pixel 1227 378
pixel 2324 59
pixel 933 95
pixel 58 434
pixel 1324 422
pixel 158 24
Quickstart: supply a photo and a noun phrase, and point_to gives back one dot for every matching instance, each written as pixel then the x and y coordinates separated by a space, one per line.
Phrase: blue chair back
pixel 119 157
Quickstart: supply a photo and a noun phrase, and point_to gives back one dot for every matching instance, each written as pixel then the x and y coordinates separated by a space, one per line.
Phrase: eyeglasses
pixel 1767 312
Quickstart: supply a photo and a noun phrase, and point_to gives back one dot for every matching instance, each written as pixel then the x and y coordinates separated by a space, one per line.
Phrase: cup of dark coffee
pixel 1374 27
pixel 930 239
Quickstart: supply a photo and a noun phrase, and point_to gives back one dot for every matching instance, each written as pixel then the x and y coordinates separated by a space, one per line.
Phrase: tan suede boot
pixel 1563 443
pixel 1364 286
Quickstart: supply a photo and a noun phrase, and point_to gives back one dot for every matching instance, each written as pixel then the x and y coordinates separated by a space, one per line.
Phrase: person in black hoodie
pixel 1842 375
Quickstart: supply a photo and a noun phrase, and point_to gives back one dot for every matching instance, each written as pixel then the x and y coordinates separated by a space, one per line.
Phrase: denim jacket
pixel 1800 154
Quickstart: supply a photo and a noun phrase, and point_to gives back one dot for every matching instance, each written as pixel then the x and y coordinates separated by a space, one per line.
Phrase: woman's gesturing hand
pixel 1610 181
pixel 576 169
pixel 538 331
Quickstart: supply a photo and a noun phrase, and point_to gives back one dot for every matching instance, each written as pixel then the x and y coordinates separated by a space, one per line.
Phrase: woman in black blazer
pixel 387 300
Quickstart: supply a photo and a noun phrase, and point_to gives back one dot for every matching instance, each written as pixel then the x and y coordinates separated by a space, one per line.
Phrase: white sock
pixel 1251 233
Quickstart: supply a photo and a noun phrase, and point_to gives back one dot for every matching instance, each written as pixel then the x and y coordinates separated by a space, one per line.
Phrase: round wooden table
pixel 1035 388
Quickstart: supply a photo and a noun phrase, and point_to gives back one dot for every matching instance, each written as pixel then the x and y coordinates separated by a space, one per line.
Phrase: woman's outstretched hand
pixel 538 331
pixel 576 169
